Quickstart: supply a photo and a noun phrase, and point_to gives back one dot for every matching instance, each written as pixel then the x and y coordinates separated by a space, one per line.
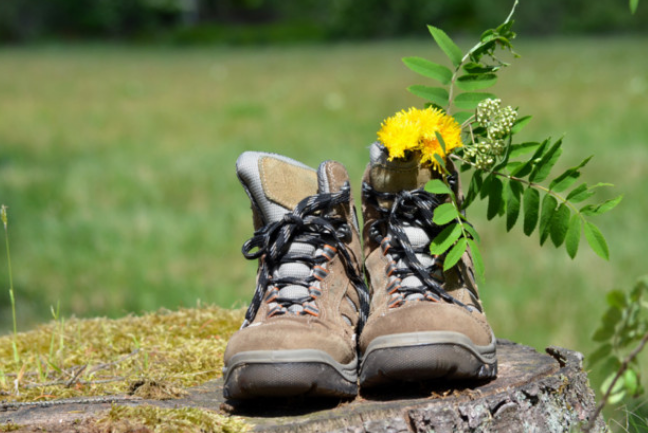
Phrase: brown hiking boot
pixel 299 336
pixel 423 323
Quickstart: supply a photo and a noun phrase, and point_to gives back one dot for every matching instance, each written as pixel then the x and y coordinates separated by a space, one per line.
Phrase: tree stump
pixel 533 393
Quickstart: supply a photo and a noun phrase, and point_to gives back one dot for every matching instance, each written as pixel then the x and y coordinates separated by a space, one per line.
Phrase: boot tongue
pixel 276 184
pixel 399 174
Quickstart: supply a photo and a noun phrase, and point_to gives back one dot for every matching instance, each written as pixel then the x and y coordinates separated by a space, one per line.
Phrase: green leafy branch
pixel 623 325
pixel 511 175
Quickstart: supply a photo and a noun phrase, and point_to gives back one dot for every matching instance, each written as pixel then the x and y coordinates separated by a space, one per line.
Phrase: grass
pixel 117 165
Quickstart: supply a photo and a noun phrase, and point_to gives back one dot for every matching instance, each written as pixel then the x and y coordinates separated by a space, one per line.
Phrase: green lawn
pixel 117 165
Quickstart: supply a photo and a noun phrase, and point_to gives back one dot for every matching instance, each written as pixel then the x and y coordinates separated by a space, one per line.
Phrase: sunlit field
pixel 117 165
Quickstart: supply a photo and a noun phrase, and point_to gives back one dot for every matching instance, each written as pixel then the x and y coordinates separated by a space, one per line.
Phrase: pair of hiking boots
pixel 313 328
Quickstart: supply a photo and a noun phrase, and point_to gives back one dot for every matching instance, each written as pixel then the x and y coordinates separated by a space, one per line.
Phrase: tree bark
pixel 533 392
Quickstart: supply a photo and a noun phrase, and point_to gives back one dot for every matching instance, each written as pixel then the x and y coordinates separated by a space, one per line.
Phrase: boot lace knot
pixel 294 253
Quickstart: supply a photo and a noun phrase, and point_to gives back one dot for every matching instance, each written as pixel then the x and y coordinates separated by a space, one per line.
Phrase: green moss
pixel 159 420
pixel 156 355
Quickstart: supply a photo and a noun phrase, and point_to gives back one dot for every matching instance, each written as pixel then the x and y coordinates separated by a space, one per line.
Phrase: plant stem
pixel 3 211
pixel 624 366
pixel 527 182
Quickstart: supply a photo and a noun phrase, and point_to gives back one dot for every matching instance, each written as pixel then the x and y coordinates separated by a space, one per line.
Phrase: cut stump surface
pixel 533 392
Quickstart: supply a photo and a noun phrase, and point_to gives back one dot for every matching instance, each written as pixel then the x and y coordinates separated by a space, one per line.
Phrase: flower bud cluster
pixel 498 122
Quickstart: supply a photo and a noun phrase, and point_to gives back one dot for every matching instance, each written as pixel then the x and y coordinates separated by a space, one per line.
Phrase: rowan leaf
pixel 572 239
pixel 471 82
pixel 520 123
pixel 606 206
pixel 473 189
pixel 549 159
pixel 469 100
pixel 531 202
pixel 477 258
pixel 522 149
pixel 559 225
pixel 429 69
pixel 437 95
pixel 495 198
pixel 513 194
pixel 549 204
pixel 455 254
pixel 462 116
pixel 445 213
pixel 444 240
pixel 580 193
pixel 436 186
pixel 596 240
pixel 471 230
pixel 446 44
pixel 568 178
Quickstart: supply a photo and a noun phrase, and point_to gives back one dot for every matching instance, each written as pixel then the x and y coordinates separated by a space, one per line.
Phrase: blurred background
pixel 121 121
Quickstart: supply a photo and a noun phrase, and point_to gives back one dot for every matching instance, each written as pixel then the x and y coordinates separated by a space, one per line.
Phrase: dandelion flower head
pixel 415 130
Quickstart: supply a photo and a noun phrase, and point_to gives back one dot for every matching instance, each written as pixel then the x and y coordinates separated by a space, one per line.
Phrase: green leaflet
pixel 437 95
pixel 580 193
pixel 596 240
pixel 617 393
pixel 445 213
pixel 479 68
pixel 429 69
pixel 606 206
pixel 531 202
pixel 616 299
pixel 522 149
pixel 631 381
pixel 495 198
pixel 514 191
pixel 549 204
pixel 455 254
pixel 469 100
pixel 477 258
pixel 473 189
pixel 549 159
pixel 470 82
pixel 520 169
pixel 441 162
pixel 559 225
pixel 447 45
pixel 441 141
pixel 572 238
pixel 444 240
pixel 568 178
pixel 462 116
pixel 520 123
pixel 486 186
pixel 472 232
pixel 436 186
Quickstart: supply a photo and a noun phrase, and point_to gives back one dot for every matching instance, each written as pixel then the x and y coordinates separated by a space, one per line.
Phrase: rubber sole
pixel 289 373
pixel 424 356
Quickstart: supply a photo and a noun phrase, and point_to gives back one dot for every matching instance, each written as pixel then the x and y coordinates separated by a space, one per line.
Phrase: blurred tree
pixel 22 20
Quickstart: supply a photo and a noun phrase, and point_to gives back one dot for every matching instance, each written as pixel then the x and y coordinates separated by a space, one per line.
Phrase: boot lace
pixel 410 211
pixel 309 235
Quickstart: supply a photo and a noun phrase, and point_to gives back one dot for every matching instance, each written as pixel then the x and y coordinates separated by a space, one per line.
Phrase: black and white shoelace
pixel 408 209
pixel 310 223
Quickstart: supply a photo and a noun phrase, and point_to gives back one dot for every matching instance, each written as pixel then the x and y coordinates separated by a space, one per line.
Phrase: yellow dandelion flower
pixel 415 130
